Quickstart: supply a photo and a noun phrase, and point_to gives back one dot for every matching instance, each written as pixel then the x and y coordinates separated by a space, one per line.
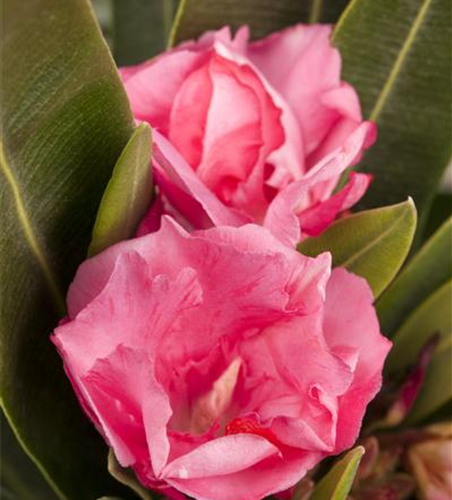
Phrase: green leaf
pixel 396 53
pixel 65 119
pixel 430 268
pixel 128 193
pixel 18 473
pixel 434 315
pixel 126 477
pixel 194 17
pixel 337 483
pixel 436 390
pixel 141 28
pixel 372 244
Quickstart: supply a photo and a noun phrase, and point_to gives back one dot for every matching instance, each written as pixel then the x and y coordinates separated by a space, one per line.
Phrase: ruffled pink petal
pixel 351 321
pixel 281 218
pixel 269 476
pixel 189 115
pixel 344 101
pixel 178 178
pixel 244 139
pixel 236 43
pixel 221 456
pixel 85 339
pixel 301 64
pixel 314 220
pixel 115 388
pixel 282 148
pixel 307 277
pixel 153 85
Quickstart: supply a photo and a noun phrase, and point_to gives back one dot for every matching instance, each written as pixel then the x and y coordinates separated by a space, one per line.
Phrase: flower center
pixel 212 405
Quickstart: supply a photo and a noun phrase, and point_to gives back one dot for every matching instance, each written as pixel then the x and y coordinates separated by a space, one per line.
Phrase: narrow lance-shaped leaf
pixel 372 244
pixel 65 120
pixel 432 317
pixel 396 53
pixel 128 193
pixel 18 473
pixel 194 17
pixel 337 483
pixel 430 268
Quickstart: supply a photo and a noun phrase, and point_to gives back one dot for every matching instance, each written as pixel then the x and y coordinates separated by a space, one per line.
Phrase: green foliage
pixel 65 120
pixel 194 17
pixel 141 29
pixel 17 472
pixel 396 53
pixel 128 193
pixel 372 244
pixel 337 483
pixel 433 316
pixel 430 268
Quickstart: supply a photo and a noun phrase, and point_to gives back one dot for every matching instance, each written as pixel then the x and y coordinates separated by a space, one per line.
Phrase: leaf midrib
pixel 29 232
pixel 400 59
pixel 369 245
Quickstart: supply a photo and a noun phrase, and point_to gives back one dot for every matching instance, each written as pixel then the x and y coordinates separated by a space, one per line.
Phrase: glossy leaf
pixel 127 477
pixel 128 193
pixel 65 120
pixel 434 315
pixel 430 268
pixel 337 483
pixel 396 53
pixel 194 17
pixel 17 472
pixel 141 28
pixel 372 244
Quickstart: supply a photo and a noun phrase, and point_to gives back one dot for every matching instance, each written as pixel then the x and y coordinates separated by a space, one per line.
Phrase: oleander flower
pixel 254 120
pixel 220 363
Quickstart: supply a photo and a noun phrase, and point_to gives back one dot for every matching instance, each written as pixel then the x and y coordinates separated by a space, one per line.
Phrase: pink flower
pixel 266 126
pixel 221 363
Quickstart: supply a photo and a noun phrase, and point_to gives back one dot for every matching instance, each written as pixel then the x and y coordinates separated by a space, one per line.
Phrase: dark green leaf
pixel 337 483
pixel 372 244
pixel 17 472
pixel 434 315
pixel 440 211
pixel 430 268
pixel 396 53
pixel 141 28
pixel 194 17
pixel 128 193
pixel 126 477
pixel 65 120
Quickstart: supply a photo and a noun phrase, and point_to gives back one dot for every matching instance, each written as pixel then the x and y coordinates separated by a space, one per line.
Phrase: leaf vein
pixel 29 232
pixel 395 71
